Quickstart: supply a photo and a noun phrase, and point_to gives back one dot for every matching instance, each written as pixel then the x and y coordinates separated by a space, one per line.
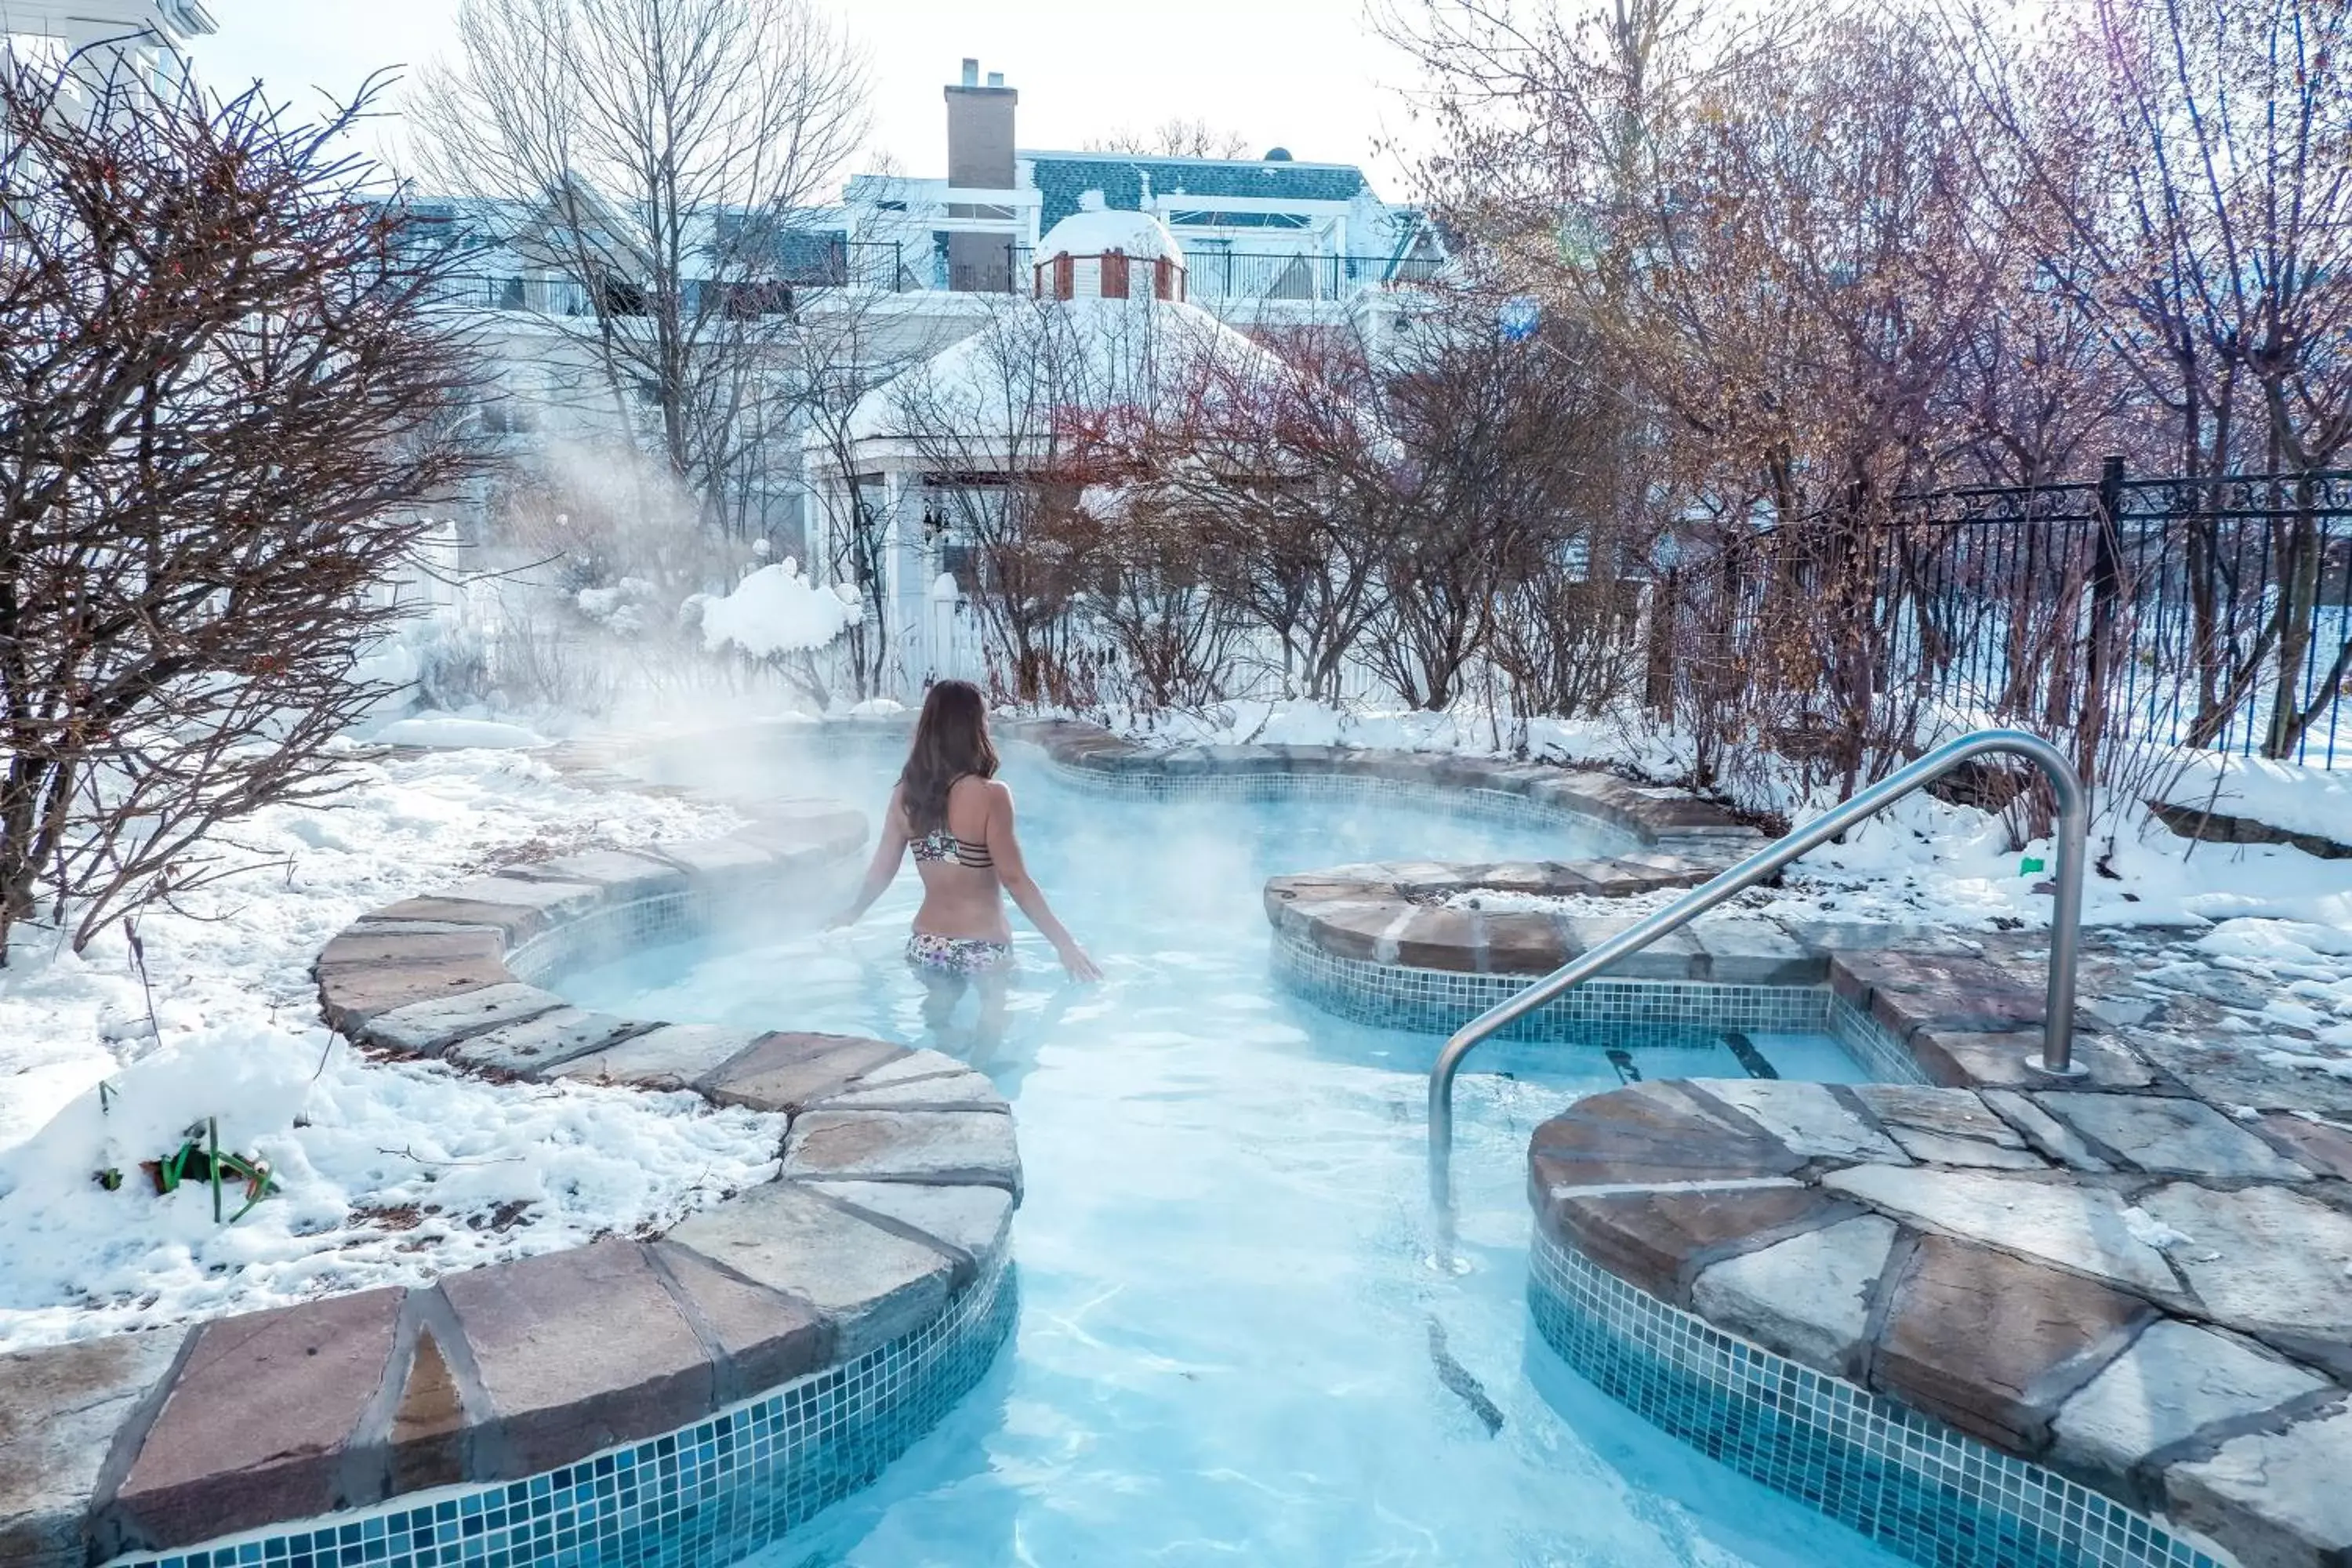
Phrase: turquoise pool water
pixel 1230 1349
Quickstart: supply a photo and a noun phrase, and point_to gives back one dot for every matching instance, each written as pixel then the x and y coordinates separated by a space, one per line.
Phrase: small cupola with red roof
pixel 1100 252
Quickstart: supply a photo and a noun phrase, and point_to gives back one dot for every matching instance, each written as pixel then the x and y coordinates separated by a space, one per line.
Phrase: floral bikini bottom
pixel 957 955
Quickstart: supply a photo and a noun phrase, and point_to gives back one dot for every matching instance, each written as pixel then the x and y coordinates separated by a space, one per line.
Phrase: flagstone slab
pixel 621 873
pixel 427 1028
pixel 2277 1498
pixel 2173 1381
pixel 1807 1118
pixel 2271 1261
pixel 938 1147
pixel 541 1044
pixel 2051 1136
pixel 2171 1136
pixel 2322 1146
pixel 1993 1343
pixel 60 1409
pixel 456 961
pixel 785 1071
pixel 1740 952
pixel 259 1422
pixel 1524 943
pixel 670 1056
pixel 971 1223
pixel 2078 1227
pixel 720 861
pixel 1808 1298
pixel 763 1337
pixel 960 1090
pixel 2008 1059
pixel 2234 1070
pixel 578 1351
pixel 1661 1240
pixel 1947 1127
pixel 1906 993
pixel 1647 1135
pixel 867 1283
pixel 1675 956
pixel 520 909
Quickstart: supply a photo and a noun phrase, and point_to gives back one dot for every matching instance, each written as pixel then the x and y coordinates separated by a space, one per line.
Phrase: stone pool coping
pixel 2117 1277
pixel 900 1175
pixel 1650 817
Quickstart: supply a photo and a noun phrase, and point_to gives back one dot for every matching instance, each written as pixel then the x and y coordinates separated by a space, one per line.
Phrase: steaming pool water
pixel 1229 1342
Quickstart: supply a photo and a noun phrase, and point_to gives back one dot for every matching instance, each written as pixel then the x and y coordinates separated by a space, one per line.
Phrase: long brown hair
pixel 951 743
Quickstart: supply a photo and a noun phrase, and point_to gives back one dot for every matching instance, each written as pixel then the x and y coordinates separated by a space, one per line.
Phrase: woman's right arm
pixel 889 853
pixel 1004 848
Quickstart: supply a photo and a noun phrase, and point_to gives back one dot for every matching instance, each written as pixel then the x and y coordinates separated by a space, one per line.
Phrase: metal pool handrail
pixel 2065 919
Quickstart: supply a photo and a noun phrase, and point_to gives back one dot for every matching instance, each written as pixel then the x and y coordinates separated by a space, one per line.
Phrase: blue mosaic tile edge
pixel 1917 1487
pixel 1440 1001
pixel 703 1497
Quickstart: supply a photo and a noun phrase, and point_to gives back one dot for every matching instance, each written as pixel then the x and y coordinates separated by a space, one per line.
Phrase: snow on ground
pixel 1920 860
pixel 2288 796
pixel 393 1172
pixel 447 730
pixel 2275 917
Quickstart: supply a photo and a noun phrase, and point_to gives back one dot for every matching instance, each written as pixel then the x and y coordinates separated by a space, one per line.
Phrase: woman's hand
pixel 843 920
pixel 1080 967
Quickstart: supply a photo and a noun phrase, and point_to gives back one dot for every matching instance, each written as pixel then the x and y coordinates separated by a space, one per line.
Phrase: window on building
pixel 1198 217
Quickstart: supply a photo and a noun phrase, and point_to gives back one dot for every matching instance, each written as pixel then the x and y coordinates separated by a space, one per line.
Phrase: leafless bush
pixel 1147 588
pixel 227 397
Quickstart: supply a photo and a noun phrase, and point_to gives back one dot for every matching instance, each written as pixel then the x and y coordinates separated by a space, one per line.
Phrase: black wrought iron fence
pixel 2211 612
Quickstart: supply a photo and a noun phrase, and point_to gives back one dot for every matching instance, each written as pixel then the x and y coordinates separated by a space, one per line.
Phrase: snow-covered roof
pixel 1098 230
pixel 1039 359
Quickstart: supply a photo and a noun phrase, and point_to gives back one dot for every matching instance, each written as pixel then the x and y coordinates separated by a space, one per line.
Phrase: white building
pixel 904 267
pixel 1103 333
pixel 1258 234
pixel 142 37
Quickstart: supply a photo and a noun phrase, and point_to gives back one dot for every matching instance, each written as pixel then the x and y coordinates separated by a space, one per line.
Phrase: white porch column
pixel 911 631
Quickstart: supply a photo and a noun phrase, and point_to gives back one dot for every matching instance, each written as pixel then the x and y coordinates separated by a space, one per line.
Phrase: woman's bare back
pixel 963 896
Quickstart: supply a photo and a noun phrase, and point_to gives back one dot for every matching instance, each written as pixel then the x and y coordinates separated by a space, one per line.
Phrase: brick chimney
pixel 980 157
pixel 980 130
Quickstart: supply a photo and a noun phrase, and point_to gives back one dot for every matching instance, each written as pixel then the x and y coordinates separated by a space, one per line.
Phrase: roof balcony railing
pixel 898 267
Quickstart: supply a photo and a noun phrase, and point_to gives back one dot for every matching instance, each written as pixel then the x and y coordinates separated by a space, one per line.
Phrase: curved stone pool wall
pixel 1907 1481
pixel 685 1398
pixel 2007 1321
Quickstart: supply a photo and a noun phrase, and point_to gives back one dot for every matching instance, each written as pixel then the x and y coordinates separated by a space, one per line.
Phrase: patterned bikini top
pixel 938 846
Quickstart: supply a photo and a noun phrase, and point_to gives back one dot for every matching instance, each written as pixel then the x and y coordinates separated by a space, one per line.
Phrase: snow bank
pixel 776 610
pixel 447 732
pixel 390 1173
pixel 2286 795
pixel 511 1168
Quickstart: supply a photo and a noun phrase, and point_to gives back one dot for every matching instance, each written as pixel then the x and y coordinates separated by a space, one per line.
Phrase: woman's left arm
pixel 1012 873
pixel 889 854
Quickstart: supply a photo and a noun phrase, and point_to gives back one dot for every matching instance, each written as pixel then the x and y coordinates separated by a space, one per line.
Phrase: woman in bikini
pixel 950 811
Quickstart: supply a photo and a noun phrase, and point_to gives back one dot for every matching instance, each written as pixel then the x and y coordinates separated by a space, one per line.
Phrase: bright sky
pixel 1309 75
